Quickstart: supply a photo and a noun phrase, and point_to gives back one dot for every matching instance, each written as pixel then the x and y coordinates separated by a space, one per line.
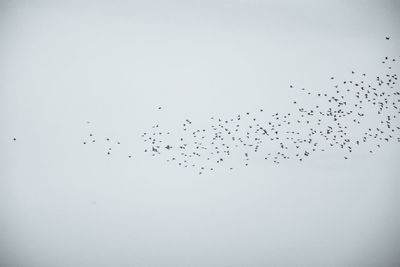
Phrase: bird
pixel 341 121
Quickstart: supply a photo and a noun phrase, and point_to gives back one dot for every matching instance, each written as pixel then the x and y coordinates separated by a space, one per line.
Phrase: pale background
pixel 113 63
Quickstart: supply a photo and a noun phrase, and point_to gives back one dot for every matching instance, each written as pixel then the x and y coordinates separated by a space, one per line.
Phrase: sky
pixel 113 64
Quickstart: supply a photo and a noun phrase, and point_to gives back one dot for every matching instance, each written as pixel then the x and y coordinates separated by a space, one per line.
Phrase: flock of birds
pixel 354 113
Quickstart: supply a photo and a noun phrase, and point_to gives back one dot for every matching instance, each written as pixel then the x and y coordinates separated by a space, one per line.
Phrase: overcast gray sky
pixel 112 63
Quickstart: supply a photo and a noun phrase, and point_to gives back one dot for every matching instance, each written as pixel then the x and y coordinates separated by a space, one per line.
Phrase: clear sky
pixel 63 203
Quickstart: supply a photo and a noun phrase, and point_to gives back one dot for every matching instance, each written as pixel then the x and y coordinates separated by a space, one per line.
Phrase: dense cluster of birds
pixel 356 113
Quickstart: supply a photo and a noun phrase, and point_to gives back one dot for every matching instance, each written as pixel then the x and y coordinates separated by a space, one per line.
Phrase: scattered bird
pixel 351 113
